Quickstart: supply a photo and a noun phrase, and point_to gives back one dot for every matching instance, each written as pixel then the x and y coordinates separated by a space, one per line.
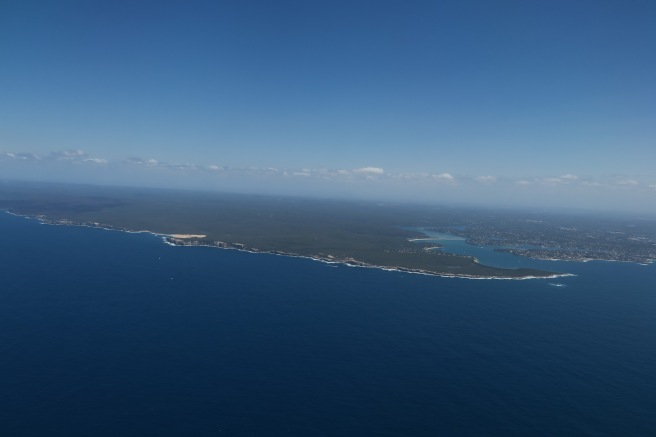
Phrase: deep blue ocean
pixel 105 333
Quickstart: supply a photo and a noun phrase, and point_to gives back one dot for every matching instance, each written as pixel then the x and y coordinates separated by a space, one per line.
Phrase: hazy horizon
pixel 457 204
pixel 469 103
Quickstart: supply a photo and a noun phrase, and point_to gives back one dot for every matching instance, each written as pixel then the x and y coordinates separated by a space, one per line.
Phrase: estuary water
pixel 486 254
pixel 105 333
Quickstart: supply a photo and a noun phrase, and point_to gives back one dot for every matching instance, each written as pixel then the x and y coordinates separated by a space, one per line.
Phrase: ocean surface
pixel 105 333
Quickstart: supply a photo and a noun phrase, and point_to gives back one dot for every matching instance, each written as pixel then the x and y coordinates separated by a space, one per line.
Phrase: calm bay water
pixel 106 333
pixel 487 254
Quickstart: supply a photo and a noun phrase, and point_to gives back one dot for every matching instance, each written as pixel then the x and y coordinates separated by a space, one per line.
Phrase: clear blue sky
pixel 497 101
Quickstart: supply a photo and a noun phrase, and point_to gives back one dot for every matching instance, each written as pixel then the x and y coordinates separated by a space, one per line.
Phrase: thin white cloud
pixel 22 156
pixel 68 155
pixel 134 160
pixel 412 176
pixel 631 182
pixel 376 174
pixel 141 161
pixel 551 181
pixel 76 156
pixel 593 184
pixel 486 179
pixel 179 167
pixel 100 161
pixel 369 170
pixel 445 177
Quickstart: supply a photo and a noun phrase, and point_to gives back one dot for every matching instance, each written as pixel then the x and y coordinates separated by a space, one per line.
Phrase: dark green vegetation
pixel 364 232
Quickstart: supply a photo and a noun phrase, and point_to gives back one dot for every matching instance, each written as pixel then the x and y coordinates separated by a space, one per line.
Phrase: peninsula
pixel 357 233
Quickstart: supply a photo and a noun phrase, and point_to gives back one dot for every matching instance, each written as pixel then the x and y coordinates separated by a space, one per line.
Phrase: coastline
pixel 360 264
pixel 182 240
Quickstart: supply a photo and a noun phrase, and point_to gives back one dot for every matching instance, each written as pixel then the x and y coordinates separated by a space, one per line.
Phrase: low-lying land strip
pixel 357 233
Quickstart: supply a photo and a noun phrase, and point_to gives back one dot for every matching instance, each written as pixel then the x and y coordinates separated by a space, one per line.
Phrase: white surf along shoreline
pixel 166 238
